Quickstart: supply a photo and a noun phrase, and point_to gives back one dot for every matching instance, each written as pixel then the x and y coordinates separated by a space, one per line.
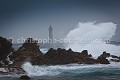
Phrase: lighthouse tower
pixel 50 34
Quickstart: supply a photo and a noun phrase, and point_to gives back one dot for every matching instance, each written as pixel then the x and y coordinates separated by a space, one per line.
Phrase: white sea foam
pixel 92 37
pixel 44 50
pixel 3 70
pixel 58 69
pixel 39 70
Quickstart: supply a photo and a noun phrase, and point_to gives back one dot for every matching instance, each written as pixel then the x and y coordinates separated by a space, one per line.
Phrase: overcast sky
pixel 32 18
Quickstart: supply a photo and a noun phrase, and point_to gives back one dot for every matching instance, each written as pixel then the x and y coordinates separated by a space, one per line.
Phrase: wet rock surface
pixel 5 48
pixel 102 58
pixel 29 51
pixel 62 56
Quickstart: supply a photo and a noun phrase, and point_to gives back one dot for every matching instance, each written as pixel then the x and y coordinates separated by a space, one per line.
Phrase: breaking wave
pixel 93 36
pixel 70 68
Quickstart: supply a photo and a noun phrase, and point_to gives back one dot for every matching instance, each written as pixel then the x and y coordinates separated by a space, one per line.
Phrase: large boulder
pixel 29 51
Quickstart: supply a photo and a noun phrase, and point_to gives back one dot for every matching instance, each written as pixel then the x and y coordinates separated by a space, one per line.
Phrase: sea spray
pixel 92 36
pixel 39 70
pixel 55 70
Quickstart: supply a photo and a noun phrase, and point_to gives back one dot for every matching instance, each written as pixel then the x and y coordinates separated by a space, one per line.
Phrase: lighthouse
pixel 50 34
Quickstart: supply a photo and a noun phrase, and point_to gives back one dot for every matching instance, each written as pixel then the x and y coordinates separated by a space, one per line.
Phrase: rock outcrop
pixel 29 51
pixel 62 56
pixel 5 49
pixel 102 58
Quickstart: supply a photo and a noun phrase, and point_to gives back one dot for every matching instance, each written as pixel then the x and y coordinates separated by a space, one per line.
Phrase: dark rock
pixel 69 50
pixel 5 62
pixel 29 51
pixel 90 61
pixel 62 56
pixel 5 48
pixel 105 54
pixel 102 58
pixel 103 61
pixel 1 64
pixel 115 60
pixel 24 77
pixel 84 52
pixel 59 56
pixel 119 57
pixel 90 55
pixel 113 56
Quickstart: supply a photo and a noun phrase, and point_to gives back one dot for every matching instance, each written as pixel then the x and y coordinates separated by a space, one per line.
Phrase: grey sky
pixel 31 18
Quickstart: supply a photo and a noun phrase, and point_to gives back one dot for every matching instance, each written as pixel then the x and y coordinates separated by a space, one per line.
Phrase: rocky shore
pixel 30 52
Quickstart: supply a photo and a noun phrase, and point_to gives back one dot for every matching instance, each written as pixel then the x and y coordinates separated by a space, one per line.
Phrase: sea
pixel 70 72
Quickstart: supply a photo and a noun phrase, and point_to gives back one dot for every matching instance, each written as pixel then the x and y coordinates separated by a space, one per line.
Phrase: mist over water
pixel 92 36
